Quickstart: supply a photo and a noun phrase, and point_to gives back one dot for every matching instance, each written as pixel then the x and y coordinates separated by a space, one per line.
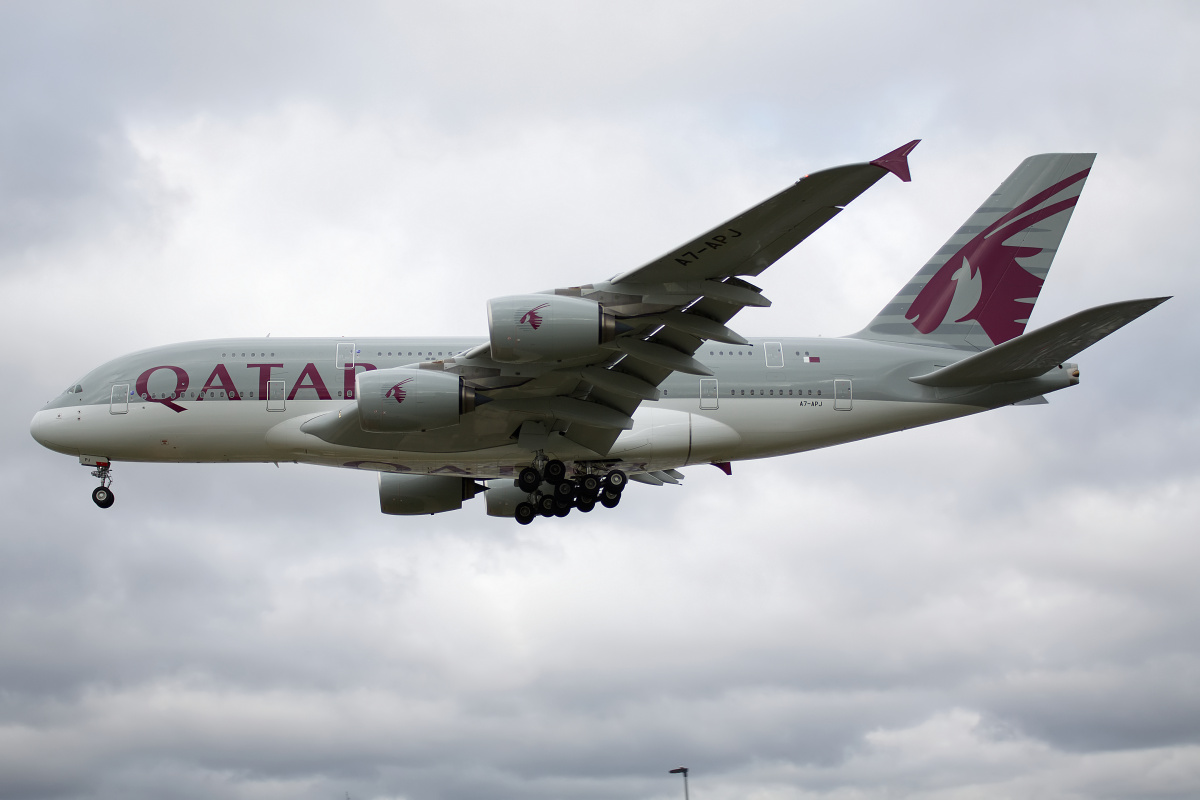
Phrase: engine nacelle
pixel 404 399
pixel 502 497
pixel 546 327
pixel 423 494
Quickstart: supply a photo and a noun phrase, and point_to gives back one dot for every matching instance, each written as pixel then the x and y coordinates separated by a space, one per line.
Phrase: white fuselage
pixel 753 408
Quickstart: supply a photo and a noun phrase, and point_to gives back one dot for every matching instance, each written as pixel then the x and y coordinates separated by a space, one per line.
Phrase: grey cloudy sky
pixel 997 607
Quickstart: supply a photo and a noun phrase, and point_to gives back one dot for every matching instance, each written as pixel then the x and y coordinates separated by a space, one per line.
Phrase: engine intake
pixel 546 327
pixel 404 399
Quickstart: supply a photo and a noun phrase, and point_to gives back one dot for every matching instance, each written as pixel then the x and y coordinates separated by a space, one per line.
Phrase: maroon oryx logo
pixel 397 392
pixel 1007 290
pixel 532 318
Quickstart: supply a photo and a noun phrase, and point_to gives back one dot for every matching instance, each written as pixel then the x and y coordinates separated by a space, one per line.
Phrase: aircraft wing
pixel 760 236
pixel 651 319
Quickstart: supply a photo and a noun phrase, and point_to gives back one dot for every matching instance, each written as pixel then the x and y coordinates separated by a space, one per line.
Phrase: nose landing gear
pixel 102 495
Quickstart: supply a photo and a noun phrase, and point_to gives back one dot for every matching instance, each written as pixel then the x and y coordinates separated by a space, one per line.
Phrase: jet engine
pixel 405 399
pixel 502 497
pixel 546 327
pixel 423 494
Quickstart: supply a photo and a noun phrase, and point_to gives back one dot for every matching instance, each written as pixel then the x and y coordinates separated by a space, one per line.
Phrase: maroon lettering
pixel 348 378
pixel 264 375
pixel 221 374
pixel 310 372
pixel 142 387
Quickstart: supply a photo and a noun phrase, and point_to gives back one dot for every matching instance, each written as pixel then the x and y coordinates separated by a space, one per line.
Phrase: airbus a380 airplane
pixel 579 389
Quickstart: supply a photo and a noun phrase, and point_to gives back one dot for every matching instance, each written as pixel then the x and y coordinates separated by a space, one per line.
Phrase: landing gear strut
pixel 102 495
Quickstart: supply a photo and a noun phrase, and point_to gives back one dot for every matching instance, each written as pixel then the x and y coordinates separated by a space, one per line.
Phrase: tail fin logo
pixel 532 318
pixel 985 269
pixel 397 392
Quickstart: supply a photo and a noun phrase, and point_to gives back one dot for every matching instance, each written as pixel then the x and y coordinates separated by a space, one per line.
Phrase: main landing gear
pixel 103 495
pixel 565 493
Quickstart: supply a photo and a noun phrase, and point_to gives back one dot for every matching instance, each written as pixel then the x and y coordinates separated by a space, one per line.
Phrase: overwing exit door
pixel 843 394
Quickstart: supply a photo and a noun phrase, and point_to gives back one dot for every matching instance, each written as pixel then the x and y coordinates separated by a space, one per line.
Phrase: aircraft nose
pixel 48 428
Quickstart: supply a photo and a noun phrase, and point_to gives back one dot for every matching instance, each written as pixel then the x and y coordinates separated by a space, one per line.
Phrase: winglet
pixel 896 161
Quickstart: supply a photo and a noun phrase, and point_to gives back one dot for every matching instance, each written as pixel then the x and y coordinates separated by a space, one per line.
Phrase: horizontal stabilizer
pixel 1034 353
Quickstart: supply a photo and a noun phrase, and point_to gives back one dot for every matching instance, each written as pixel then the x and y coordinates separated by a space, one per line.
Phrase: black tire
pixel 562 511
pixel 610 502
pixel 610 494
pixel 616 479
pixel 564 489
pixel 103 496
pixel 564 502
pixel 585 504
pixel 525 513
pixel 546 505
pixel 529 480
pixel 589 484
pixel 555 471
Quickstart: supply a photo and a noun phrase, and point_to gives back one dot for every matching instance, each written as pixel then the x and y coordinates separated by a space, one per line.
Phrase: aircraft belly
pixel 665 434
pixel 777 426
pixel 212 431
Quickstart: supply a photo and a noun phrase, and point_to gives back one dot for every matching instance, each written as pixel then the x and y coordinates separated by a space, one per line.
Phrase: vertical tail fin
pixel 978 290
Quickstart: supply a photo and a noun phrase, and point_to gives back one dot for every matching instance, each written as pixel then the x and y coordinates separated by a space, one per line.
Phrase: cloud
pixel 996 606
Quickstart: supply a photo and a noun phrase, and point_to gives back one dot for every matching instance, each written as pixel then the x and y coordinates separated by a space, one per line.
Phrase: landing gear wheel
pixel 546 505
pixel 103 496
pixel 610 502
pixel 525 513
pixel 585 504
pixel 529 480
pixel 610 494
pixel 616 479
pixel 564 489
pixel 554 471
pixel 562 511
pixel 589 484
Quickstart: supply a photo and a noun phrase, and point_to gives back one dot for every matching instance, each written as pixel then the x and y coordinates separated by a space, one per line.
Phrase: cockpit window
pixel 78 388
